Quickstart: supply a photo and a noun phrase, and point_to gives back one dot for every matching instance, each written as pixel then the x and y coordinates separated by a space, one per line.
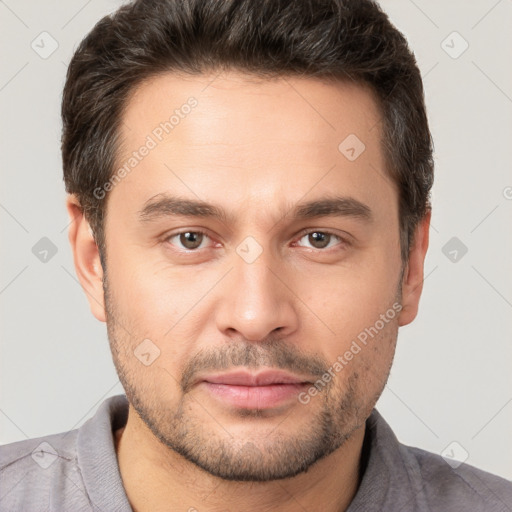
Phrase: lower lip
pixel 255 397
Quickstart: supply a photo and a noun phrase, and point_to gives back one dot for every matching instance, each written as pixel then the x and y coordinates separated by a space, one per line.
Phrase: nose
pixel 257 300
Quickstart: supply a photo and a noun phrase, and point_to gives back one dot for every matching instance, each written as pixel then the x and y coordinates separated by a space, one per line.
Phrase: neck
pixel 156 478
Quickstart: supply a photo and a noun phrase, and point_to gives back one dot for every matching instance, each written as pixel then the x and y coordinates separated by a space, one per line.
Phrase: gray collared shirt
pixel 78 471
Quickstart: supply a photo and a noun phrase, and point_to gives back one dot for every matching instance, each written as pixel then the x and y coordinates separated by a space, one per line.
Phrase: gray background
pixel 451 381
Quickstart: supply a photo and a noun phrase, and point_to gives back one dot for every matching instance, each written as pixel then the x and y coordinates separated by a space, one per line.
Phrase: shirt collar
pixel 386 465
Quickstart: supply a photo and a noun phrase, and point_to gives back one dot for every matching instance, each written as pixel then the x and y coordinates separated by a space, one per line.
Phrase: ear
pixel 412 283
pixel 86 257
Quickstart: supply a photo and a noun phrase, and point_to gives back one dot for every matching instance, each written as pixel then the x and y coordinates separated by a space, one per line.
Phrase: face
pixel 253 292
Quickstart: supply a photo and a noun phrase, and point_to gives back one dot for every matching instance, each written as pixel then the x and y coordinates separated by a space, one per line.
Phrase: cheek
pixel 365 366
pixel 159 304
pixel 149 354
pixel 150 298
pixel 348 304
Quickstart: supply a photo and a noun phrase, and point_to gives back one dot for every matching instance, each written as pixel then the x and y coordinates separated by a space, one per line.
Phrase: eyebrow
pixel 163 206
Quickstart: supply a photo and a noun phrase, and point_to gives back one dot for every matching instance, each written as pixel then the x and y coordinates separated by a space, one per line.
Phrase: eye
pixel 323 239
pixel 189 240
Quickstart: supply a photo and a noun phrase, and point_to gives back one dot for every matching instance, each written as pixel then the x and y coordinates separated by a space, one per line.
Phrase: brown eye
pixel 189 240
pixel 319 240
pixel 322 239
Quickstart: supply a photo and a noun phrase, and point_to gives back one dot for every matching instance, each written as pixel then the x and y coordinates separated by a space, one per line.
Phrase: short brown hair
pixel 331 39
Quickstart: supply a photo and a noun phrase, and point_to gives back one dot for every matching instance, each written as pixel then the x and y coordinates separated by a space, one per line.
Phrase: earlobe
pixel 412 284
pixel 86 257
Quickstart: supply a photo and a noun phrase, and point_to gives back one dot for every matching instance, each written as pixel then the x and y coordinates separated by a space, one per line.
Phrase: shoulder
pixel 402 477
pixel 74 470
pixel 40 449
pixel 35 470
pixel 450 485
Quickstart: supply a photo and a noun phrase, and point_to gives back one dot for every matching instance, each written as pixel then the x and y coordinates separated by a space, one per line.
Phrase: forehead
pixel 294 106
pixel 231 136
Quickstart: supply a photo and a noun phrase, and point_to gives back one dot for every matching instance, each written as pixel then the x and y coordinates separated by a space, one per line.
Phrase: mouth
pixel 263 390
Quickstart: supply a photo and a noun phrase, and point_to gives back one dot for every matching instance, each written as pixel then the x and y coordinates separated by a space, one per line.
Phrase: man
pixel 249 188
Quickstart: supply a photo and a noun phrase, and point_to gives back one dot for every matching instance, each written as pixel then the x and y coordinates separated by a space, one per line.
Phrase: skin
pixel 256 148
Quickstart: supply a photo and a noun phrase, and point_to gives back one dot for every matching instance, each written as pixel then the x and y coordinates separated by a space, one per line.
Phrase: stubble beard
pixel 333 415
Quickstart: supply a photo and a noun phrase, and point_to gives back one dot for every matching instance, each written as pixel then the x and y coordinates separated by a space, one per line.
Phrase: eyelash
pixel 344 242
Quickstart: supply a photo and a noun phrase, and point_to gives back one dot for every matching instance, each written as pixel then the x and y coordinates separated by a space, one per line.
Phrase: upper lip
pixel 262 378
